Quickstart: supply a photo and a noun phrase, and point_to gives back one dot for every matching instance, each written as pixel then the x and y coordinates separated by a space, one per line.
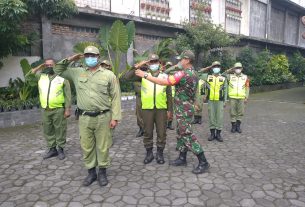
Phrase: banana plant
pixel 116 40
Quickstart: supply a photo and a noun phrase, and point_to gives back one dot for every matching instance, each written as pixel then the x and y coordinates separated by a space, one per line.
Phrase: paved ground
pixel 264 166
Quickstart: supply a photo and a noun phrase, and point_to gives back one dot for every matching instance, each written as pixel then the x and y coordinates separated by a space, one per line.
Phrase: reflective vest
pixel 237 86
pixel 173 91
pixel 215 88
pixel 153 95
pixel 200 88
pixel 51 93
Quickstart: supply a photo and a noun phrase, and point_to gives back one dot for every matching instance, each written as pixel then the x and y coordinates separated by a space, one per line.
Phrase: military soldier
pixel 216 94
pixel 99 107
pixel 55 100
pixel 238 94
pixel 156 106
pixel 185 81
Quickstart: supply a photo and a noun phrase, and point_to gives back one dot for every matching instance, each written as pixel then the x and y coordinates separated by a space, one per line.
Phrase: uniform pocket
pixel 82 82
pixel 101 86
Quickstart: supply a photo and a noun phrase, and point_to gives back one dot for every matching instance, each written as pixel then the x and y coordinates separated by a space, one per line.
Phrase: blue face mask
pixel 154 67
pixel 91 61
pixel 216 70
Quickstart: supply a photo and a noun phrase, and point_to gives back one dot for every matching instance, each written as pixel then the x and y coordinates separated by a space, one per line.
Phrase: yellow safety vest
pixel 215 88
pixel 153 95
pixel 173 91
pixel 51 93
pixel 237 86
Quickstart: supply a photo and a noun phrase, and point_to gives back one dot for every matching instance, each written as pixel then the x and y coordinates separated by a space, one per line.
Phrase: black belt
pixel 91 113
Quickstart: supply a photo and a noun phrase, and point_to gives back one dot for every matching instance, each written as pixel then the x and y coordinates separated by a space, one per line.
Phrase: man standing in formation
pixel 216 94
pixel 185 82
pixel 55 100
pixel 156 103
pixel 239 89
pixel 199 102
pixel 99 107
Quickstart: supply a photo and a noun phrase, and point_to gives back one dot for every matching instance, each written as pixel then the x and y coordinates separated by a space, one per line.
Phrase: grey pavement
pixel 263 166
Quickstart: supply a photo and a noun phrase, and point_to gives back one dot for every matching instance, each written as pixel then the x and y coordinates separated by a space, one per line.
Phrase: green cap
pixel 153 57
pixel 216 63
pixel 238 65
pixel 106 62
pixel 188 54
pixel 91 50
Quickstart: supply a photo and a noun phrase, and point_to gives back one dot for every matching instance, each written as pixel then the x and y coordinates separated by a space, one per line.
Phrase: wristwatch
pixel 145 75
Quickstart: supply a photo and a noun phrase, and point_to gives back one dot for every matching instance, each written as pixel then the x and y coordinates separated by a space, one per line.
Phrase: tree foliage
pixel 202 36
pixel 14 12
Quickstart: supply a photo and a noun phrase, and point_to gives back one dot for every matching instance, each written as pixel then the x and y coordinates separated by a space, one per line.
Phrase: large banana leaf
pixel 26 67
pixel 104 36
pixel 118 37
pixel 131 29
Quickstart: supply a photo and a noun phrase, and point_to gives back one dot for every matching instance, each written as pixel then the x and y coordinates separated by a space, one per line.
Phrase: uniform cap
pixel 168 64
pixel 153 57
pixel 106 62
pixel 188 54
pixel 238 65
pixel 91 50
pixel 216 63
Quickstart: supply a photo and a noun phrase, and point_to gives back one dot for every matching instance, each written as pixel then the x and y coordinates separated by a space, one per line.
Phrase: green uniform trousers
pixel 237 109
pixel 54 127
pixel 198 104
pixel 215 109
pixel 139 112
pixel 152 117
pixel 95 139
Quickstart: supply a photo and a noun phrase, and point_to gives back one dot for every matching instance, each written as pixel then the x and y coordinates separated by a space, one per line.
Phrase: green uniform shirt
pixel 96 91
pixel 67 89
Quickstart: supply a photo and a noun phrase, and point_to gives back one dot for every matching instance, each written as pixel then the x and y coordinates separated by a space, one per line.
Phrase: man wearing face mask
pixel 185 82
pixel 239 89
pixel 216 94
pixel 99 107
pixel 55 100
pixel 156 108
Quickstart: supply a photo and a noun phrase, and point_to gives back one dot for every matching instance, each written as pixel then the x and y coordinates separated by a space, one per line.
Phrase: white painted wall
pixel 125 7
pixel 218 12
pixel 12 69
pixel 299 2
pixel 179 11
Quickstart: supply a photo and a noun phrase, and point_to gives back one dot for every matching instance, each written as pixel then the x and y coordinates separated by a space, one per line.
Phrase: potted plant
pixel 148 15
pixel 142 5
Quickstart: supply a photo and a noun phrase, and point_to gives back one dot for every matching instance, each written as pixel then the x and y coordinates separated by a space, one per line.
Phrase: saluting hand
pixel 75 57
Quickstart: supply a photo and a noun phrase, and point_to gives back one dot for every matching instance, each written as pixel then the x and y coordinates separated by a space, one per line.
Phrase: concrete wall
pixel 277 24
pixel 258 14
pixel 12 68
pixel 291 28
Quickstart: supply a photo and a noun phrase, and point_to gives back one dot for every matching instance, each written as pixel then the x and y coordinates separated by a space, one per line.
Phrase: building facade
pixel 273 24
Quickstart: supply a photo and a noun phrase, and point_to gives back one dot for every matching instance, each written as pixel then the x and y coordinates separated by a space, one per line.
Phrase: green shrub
pixel 297 66
pixel 224 56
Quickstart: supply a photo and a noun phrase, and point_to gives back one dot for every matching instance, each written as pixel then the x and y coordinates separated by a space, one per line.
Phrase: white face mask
pixel 237 71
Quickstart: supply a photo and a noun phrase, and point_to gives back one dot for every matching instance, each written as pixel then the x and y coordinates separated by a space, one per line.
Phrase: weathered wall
pixel 258 14
pixel 277 24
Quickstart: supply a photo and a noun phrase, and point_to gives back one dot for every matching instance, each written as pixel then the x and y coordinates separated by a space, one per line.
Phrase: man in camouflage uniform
pixel 185 81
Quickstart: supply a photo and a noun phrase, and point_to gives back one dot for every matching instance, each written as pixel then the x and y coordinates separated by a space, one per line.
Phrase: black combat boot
pixel 199 120
pixel 140 132
pixel 218 136
pixel 149 155
pixel 102 177
pixel 180 161
pixel 170 125
pixel 195 121
pixel 203 164
pixel 52 153
pixel 238 129
pixel 233 130
pixel 91 177
pixel 61 154
pixel 212 136
pixel 159 155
